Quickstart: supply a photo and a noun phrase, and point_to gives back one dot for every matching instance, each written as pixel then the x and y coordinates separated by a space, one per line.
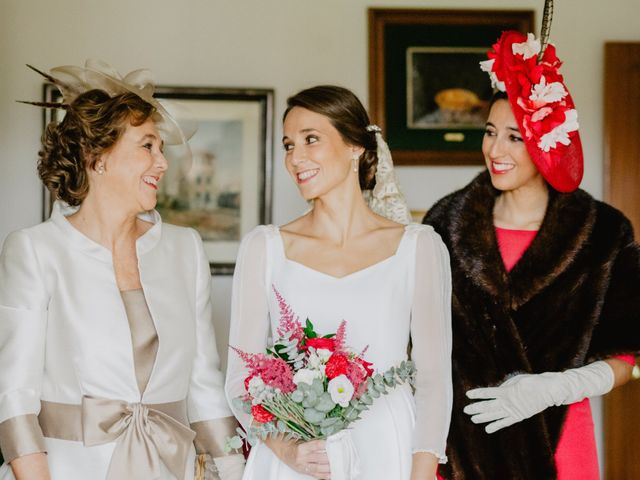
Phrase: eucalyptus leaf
pixel 325 404
pixel 310 400
pixel 312 415
pixel 329 421
pixel 318 386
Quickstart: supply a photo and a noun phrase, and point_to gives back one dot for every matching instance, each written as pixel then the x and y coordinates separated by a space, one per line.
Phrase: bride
pixel 353 259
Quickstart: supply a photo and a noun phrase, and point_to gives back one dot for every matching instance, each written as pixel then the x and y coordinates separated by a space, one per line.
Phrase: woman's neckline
pixel 350 274
pixel 521 230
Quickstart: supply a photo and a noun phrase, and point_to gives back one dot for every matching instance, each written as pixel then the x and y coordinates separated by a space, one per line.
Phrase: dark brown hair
pixel 498 95
pixel 93 123
pixel 349 118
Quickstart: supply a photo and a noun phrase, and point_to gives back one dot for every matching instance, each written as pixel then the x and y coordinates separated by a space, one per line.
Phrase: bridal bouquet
pixel 307 386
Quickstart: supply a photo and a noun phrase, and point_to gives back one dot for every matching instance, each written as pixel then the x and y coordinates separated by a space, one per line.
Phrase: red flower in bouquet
pixel 317 343
pixel 260 414
pixel 338 364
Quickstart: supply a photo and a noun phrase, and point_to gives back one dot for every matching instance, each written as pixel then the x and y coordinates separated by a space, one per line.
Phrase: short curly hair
pixel 93 123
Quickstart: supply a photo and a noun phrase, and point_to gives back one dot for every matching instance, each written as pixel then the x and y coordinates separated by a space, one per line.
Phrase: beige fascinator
pixel 72 81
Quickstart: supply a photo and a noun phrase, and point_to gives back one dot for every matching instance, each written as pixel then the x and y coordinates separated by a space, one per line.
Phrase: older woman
pixel 105 316
pixel 546 285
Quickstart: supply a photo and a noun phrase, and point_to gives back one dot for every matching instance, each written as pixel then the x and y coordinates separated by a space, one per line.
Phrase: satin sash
pixel 145 435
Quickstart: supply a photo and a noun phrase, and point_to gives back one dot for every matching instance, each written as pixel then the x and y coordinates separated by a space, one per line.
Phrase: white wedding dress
pixel 402 300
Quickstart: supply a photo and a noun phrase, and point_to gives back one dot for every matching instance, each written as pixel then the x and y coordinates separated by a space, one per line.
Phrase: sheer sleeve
pixel 23 318
pixel 249 329
pixel 431 344
pixel 207 407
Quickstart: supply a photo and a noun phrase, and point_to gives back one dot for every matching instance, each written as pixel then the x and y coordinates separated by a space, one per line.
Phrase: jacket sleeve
pixel 207 408
pixel 617 331
pixel 23 322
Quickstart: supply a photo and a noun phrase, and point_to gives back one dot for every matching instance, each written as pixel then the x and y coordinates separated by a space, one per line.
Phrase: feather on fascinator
pixel 528 70
pixel 72 81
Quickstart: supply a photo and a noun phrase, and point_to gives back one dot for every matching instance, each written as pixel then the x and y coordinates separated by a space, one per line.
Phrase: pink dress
pixel 576 455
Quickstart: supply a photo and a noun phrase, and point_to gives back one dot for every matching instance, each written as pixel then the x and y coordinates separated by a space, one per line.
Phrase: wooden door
pixel 622 190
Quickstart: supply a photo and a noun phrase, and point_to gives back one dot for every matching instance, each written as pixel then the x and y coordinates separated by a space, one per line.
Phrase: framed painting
pixel 426 89
pixel 224 189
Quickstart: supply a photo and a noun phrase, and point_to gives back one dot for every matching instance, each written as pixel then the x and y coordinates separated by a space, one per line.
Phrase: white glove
pixel 230 467
pixel 525 395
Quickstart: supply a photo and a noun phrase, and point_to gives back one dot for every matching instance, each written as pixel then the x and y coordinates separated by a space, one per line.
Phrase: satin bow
pixel 144 436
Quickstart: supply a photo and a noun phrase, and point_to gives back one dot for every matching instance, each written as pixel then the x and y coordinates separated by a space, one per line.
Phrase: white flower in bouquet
pixel 259 391
pixel 324 354
pixel 341 390
pixel 305 375
pixel 313 359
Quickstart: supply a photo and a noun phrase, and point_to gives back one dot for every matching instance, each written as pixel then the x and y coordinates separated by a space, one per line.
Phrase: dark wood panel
pixel 622 190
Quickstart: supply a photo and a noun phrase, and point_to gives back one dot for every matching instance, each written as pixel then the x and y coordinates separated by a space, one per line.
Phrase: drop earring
pixel 354 161
pixel 100 168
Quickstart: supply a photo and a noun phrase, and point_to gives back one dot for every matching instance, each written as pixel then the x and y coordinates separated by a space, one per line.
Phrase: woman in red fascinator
pixel 546 284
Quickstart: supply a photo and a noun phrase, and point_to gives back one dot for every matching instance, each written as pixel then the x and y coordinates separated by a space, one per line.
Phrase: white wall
pixel 282 44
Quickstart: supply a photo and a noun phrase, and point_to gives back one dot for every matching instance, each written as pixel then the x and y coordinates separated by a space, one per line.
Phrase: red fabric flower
pixel 326 343
pixel 338 364
pixel 260 414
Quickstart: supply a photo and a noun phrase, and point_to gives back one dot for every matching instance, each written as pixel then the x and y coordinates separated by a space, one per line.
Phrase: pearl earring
pixel 100 168
pixel 354 161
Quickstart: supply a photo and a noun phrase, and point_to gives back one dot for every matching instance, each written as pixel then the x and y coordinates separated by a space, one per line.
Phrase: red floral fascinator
pixel 542 105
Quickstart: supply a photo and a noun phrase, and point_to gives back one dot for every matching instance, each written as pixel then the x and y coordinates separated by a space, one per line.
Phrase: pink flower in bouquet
pixel 367 366
pixel 276 373
pixel 290 325
pixel 260 414
pixel 356 373
pixel 273 371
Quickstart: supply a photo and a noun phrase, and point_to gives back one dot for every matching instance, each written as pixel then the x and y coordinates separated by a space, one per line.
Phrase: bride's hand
pixel 308 458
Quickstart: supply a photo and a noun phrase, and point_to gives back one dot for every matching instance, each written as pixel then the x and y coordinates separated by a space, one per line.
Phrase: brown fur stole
pixel 574 297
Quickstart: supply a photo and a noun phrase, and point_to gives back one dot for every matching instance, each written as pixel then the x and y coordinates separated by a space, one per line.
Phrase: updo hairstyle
pixel 93 123
pixel 349 118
